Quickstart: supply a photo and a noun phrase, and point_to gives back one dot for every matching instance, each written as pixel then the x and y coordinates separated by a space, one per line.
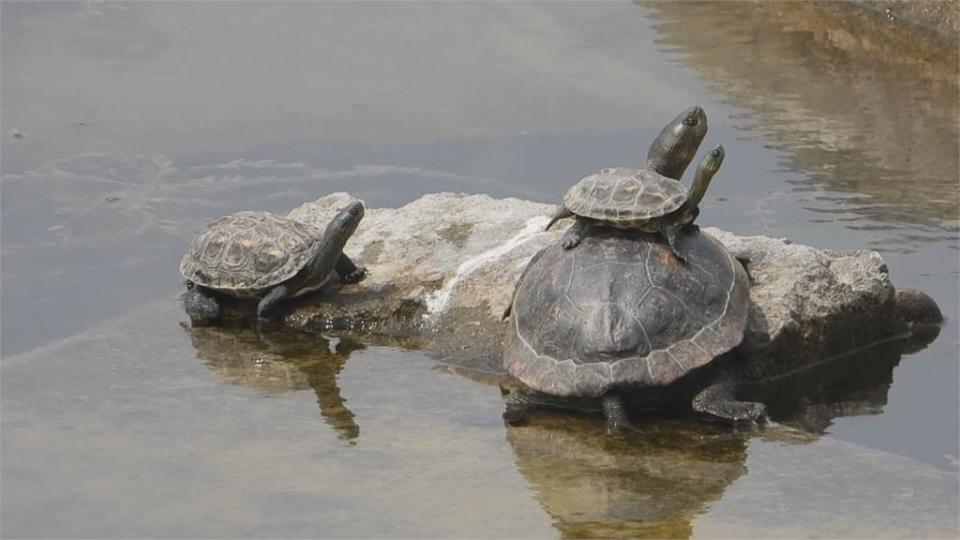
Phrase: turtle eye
pixel 690 120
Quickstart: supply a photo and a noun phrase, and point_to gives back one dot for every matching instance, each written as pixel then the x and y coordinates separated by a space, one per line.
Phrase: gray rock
pixel 442 271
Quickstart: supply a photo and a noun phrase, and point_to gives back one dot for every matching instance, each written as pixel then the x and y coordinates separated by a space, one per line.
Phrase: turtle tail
pixel 561 213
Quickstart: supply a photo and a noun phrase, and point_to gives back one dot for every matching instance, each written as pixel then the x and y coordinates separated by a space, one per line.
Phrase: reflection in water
pixel 597 485
pixel 654 483
pixel 281 362
pixel 866 113
pixel 853 384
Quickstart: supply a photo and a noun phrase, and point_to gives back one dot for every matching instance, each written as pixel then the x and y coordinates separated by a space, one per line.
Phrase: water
pixel 137 123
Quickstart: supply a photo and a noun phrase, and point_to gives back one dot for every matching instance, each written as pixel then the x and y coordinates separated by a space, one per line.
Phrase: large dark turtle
pixel 265 256
pixel 649 199
pixel 621 312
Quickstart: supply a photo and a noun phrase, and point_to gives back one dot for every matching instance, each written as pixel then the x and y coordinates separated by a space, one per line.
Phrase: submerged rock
pixel 442 270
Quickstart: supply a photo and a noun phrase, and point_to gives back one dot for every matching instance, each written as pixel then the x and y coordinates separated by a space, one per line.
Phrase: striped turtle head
pixel 673 149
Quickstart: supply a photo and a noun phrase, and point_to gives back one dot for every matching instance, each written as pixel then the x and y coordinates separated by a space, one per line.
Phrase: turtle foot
pixel 516 415
pixel 356 276
pixel 202 309
pixel 676 255
pixel 575 234
pixel 518 406
pixel 570 243
pixel 749 415
pixel 718 401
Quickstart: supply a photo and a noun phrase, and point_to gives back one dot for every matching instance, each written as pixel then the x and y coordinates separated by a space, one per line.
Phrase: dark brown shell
pixel 625 196
pixel 621 309
pixel 249 251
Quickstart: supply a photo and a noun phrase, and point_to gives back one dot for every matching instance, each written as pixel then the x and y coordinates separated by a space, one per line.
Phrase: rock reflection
pixel 855 106
pixel 281 362
pixel 654 484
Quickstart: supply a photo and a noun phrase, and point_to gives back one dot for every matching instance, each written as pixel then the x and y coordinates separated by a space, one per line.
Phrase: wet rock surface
pixel 442 270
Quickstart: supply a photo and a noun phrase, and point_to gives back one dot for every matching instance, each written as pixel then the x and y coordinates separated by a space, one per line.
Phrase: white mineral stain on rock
pixel 438 300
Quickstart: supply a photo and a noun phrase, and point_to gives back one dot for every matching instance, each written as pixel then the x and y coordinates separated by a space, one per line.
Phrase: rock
pixel 917 307
pixel 442 270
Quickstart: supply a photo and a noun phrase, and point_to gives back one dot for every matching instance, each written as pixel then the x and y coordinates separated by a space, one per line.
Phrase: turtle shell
pixel 625 197
pixel 621 309
pixel 247 252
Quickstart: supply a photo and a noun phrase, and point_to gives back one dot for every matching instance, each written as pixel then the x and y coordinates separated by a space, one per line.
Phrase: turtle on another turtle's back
pixel 622 315
pixel 623 312
pixel 650 199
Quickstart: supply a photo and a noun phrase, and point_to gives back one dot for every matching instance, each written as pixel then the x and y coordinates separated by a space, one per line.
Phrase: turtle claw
pixel 676 255
pixel 570 243
pixel 356 276
pixel 749 416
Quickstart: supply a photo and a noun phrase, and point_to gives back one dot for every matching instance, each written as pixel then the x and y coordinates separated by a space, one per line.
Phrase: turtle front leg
pixel 718 400
pixel 575 234
pixel 348 271
pixel 615 412
pixel 672 233
pixel 269 304
pixel 203 309
pixel 691 217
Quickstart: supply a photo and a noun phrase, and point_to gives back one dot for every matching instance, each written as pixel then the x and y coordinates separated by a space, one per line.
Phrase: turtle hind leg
pixel 718 401
pixel 575 234
pixel 202 308
pixel 269 304
pixel 519 406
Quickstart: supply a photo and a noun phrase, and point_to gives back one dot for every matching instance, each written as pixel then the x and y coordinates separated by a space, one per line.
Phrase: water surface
pixel 136 123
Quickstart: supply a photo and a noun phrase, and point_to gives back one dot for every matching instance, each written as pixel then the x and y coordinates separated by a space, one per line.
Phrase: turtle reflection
pixel 281 362
pixel 654 483
pixel 597 485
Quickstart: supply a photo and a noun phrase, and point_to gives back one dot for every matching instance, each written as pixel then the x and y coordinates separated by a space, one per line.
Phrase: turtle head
pixel 673 149
pixel 708 167
pixel 343 225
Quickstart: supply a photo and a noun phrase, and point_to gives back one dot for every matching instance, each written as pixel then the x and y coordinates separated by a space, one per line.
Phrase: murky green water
pixel 137 123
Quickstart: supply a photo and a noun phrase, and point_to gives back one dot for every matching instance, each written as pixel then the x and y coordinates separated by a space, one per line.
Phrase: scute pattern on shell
pixel 249 251
pixel 621 195
pixel 623 310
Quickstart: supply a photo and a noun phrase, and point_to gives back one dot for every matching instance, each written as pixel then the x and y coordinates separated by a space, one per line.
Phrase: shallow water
pixel 137 123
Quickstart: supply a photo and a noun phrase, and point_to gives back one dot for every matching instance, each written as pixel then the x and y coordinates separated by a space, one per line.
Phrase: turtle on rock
pixel 620 316
pixel 650 199
pixel 268 257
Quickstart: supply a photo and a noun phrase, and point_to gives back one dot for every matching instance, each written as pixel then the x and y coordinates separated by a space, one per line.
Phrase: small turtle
pixel 261 255
pixel 621 313
pixel 648 199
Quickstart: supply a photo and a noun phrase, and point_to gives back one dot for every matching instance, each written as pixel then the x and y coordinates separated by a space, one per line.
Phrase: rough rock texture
pixel 443 267
pixel 808 303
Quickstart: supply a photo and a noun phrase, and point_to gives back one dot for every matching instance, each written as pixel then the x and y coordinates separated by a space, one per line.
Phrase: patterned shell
pixel 249 251
pixel 625 195
pixel 622 310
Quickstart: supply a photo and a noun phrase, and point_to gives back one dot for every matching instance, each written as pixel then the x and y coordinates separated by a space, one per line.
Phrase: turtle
pixel 621 315
pixel 260 255
pixel 649 199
